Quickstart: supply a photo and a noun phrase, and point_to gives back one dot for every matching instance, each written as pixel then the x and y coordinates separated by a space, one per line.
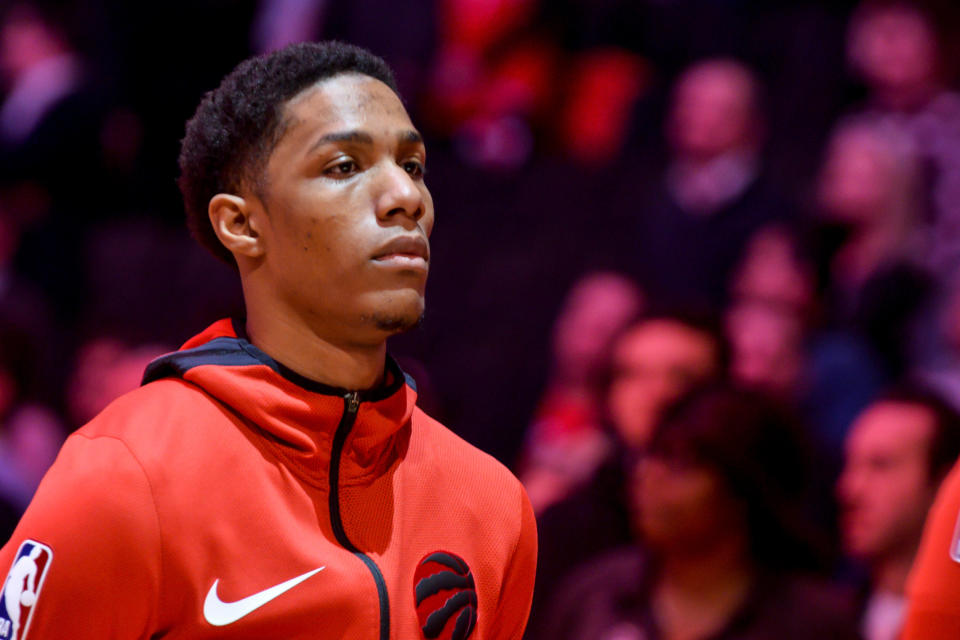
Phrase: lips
pixel 404 249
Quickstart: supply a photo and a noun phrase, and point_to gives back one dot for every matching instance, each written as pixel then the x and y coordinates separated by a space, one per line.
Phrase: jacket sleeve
pixel 84 561
pixel 517 592
pixel 933 589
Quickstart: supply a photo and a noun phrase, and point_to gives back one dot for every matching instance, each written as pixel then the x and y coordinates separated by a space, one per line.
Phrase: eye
pixel 414 167
pixel 342 168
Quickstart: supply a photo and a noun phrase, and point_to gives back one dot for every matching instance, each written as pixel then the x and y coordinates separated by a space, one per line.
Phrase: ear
pixel 237 224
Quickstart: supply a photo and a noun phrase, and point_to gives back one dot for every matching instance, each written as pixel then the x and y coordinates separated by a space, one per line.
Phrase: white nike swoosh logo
pixel 220 613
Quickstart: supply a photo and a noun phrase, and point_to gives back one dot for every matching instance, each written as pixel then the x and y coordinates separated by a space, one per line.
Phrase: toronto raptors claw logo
pixel 445 596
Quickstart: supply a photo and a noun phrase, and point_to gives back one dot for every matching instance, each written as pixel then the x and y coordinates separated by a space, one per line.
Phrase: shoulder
pixel 435 445
pixel 159 417
pixel 808 605
pixel 615 573
pixel 472 483
pixel 596 598
pixel 151 403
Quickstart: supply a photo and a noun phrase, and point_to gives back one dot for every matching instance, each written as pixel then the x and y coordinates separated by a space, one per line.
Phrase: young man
pixel 898 451
pixel 274 477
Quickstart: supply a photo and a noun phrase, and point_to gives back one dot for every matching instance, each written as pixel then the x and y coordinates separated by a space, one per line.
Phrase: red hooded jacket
pixel 229 497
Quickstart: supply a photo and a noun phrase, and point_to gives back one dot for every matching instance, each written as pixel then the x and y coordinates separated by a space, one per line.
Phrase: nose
pixel 399 194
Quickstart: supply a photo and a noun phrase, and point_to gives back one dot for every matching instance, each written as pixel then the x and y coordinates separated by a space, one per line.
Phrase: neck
pixel 696 595
pixel 571 383
pixel 288 340
pixel 720 569
pixel 909 98
pixel 870 246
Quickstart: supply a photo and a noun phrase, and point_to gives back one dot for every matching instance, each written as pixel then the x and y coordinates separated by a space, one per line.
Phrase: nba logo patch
pixel 22 588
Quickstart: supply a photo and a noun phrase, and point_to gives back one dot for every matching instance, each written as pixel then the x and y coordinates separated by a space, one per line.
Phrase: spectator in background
pixel 868 195
pixel 941 368
pixel 566 441
pixel 404 33
pixel 23 305
pixel 721 551
pixel 895 47
pixel 51 169
pixel 686 235
pixel 780 345
pixel 652 363
pixel 898 452
pixel 30 432
pixel 771 310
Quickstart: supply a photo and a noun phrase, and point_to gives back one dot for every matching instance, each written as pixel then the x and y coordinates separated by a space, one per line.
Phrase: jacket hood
pixel 298 416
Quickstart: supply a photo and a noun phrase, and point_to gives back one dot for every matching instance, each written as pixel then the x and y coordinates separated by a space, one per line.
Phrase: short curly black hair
pixel 235 128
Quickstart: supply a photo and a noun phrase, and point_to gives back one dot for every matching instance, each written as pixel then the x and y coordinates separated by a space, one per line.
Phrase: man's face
pixel 347 212
pixel 712 112
pixel 652 365
pixel 885 490
pixel 598 307
pixel 766 343
pixel 678 504
pixel 895 49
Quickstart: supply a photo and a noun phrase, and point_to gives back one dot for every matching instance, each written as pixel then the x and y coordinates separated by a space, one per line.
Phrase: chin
pixel 394 311
pixel 397 318
pixel 397 323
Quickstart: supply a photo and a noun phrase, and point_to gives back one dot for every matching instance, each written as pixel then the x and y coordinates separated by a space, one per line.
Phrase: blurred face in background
pixel 597 308
pixel 771 270
pixel 860 181
pixel 683 506
pixel 713 111
pixel 885 489
pixel 654 363
pixel 895 51
pixel 766 340
pixel 25 40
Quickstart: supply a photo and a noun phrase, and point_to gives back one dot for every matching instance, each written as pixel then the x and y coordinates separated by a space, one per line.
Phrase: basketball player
pixel 274 478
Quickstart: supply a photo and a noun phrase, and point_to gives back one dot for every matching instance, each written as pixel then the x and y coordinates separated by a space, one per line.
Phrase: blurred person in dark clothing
pixel 685 235
pixel 898 49
pixel 780 344
pixel 898 452
pixel 766 321
pixel 721 550
pixel 653 362
pixel 877 284
pixel 403 33
pixel 30 432
pixel 51 158
pixel 566 440
pixel 22 303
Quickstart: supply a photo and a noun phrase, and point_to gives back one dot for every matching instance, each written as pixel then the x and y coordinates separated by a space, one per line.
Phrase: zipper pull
pixel 352 401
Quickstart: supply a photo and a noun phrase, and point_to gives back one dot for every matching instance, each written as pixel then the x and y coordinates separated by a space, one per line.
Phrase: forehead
pixel 901 20
pixel 893 426
pixel 658 340
pixel 715 83
pixel 344 102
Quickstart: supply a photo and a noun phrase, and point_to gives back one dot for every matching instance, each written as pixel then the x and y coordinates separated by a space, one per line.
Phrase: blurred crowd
pixel 696 274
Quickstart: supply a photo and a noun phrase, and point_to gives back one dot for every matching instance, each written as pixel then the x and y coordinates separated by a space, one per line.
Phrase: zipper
pixel 351 405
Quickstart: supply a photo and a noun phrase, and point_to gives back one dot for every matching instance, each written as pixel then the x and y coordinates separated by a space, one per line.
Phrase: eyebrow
pixel 410 137
pixel 362 137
